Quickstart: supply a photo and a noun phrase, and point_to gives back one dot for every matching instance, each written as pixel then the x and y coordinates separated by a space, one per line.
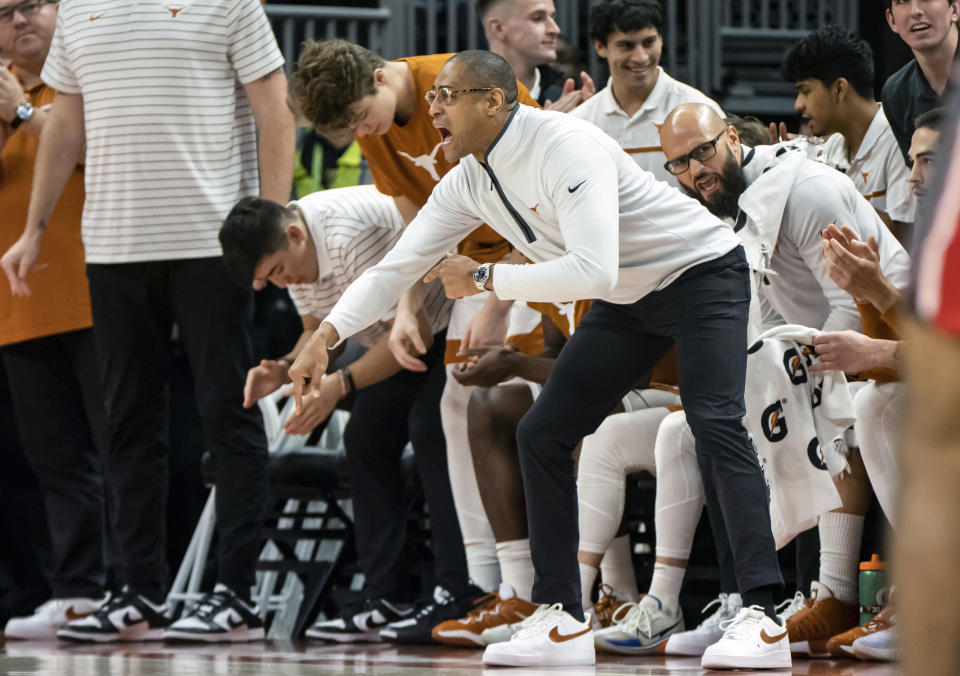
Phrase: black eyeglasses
pixel 701 153
pixel 26 8
pixel 447 94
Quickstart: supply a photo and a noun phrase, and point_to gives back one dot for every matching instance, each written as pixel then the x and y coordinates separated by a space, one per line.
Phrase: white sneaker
pixel 751 640
pixel 551 637
pixel 642 629
pixel 695 641
pixel 791 607
pixel 49 617
pixel 881 646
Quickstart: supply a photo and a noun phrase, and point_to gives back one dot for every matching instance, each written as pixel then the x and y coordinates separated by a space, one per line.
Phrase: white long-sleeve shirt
pixel 568 198
pixel 790 199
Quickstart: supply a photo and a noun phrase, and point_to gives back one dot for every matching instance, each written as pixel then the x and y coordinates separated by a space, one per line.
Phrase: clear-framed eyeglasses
pixel 447 94
pixel 702 153
pixel 26 8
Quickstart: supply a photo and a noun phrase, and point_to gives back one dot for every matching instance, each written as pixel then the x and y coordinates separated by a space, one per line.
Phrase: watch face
pixel 25 111
pixel 480 275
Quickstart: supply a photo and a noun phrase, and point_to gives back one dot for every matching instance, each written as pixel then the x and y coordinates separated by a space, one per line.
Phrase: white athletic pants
pixel 654 440
pixel 881 408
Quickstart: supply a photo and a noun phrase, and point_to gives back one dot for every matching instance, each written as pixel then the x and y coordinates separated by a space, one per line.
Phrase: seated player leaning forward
pixel 664 270
pixel 315 247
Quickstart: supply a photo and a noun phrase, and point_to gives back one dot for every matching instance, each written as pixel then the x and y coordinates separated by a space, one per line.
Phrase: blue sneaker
pixel 639 628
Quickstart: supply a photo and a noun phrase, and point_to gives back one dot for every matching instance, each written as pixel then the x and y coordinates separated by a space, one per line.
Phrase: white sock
pixel 616 569
pixel 588 575
pixel 516 566
pixel 840 536
pixel 482 565
pixel 665 586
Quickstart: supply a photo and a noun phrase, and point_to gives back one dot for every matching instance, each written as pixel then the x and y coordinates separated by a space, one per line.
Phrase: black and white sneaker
pixel 127 616
pixel 220 617
pixel 362 626
pixel 444 606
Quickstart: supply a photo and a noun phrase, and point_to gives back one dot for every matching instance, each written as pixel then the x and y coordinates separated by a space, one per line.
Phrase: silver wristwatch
pixel 24 112
pixel 481 275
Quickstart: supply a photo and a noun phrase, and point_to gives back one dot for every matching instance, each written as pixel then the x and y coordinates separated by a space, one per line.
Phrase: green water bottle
pixel 874 591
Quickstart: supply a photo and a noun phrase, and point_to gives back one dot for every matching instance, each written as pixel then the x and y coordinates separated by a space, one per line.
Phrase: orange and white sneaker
pixel 492 610
pixel 823 618
pixel 606 607
pixel 841 645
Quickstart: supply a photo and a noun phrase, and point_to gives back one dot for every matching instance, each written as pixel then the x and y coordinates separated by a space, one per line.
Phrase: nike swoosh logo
pixel 574 188
pixel 130 620
pixel 234 625
pixel 72 614
pixel 767 638
pixel 94 18
pixel 557 637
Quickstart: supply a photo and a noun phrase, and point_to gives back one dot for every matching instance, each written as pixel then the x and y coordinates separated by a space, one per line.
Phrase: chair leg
pixel 186 584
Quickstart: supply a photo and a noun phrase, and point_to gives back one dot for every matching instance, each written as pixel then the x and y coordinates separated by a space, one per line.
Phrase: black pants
pixel 134 307
pixel 704 312
pixel 58 401
pixel 384 417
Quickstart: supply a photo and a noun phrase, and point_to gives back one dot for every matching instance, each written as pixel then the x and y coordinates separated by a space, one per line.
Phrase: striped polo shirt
pixel 171 141
pixel 639 134
pixel 352 229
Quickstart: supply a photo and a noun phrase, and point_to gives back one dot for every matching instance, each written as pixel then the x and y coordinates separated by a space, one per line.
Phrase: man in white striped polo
pixel 167 97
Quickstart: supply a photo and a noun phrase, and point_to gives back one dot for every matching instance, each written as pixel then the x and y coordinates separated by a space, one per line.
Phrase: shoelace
pixel 714 620
pixel 744 624
pixel 432 607
pixel 607 600
pixel 211 604
pixel 621 614
pixel 542 616
pixel 639 620
pixel 482 604
pixel 114 601
pixel 796 603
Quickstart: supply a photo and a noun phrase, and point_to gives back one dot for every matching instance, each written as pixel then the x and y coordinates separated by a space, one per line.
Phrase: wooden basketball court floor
pixel 27 658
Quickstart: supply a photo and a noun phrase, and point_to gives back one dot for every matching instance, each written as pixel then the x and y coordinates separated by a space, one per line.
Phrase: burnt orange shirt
pixel 59 300
pixel 407 160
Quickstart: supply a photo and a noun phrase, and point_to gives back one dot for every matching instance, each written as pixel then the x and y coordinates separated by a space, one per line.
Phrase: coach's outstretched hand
pixel 311 364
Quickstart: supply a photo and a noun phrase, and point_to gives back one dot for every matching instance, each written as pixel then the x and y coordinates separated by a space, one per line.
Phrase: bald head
pixel 480 68
pixel 687 122
pixel 703 152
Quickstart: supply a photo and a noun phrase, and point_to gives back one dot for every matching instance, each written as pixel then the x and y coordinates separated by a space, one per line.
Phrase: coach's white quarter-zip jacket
pixel 571 200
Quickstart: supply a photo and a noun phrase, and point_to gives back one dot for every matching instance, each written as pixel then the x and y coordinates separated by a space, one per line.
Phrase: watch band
pixel 481 275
